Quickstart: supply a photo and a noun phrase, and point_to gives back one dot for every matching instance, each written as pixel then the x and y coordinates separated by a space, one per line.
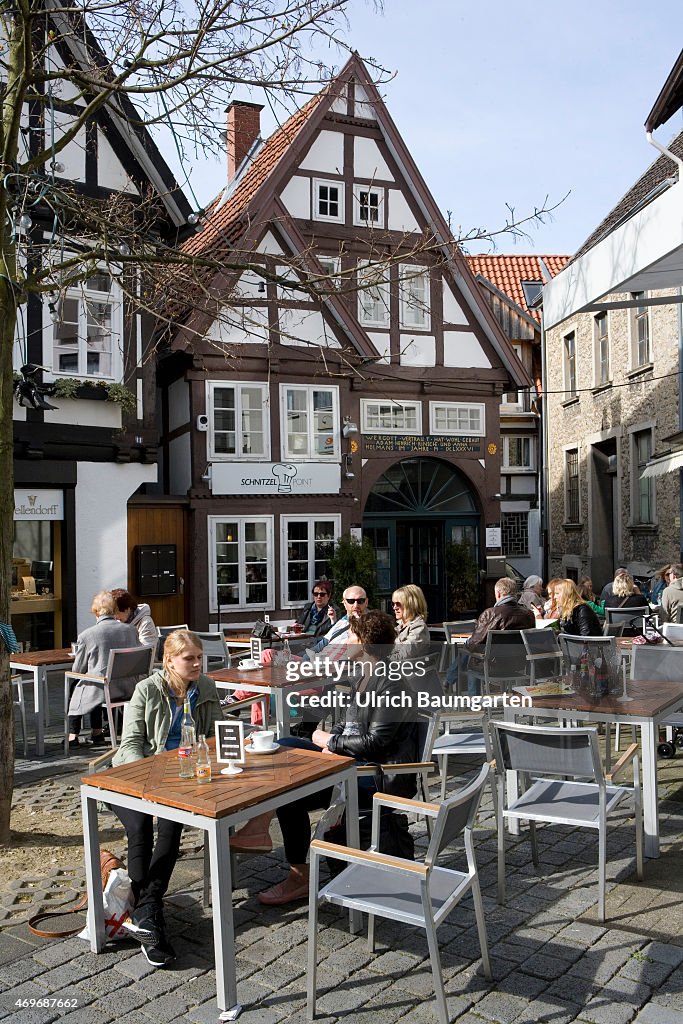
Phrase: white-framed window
pixel 328 200
pixel 239 420
pixel 643 489
pixel 241 562
pixel 368 206
pixel 414 292
pixel 307 545
pixel 391 417
pixel 456 418
pixel 571 477
pixel 569 359
pixel 601 347
pixel 373 295
pixel 518 452
pixel 310 418
pixel 88 329
pixel 640 331
pixel 331 268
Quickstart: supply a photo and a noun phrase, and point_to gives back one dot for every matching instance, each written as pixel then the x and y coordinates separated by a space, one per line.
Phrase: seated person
pixel 585 589
pixel 576 617
pixel 532 595
pixel 92 655
pixel 625 594
pixel 152 724
pixel 410 609
pixel 138 615
pixel 378 735
pixel 506 614
pixel 319 614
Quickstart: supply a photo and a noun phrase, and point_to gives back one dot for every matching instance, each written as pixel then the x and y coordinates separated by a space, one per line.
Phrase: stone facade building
pixel 612 401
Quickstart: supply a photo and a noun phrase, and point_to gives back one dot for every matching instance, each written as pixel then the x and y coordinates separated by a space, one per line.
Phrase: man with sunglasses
pixel 355 601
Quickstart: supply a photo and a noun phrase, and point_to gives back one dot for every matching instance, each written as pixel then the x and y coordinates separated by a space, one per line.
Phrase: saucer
pixel 263 750
pixel 248 666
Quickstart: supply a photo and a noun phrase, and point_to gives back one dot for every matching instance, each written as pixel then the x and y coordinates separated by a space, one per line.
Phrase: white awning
pixel 664 464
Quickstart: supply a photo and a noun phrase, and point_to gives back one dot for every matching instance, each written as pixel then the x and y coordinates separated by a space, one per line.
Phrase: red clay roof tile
pixel 508 272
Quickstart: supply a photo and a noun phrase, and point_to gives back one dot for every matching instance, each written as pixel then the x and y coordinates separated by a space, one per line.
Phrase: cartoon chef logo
pixel 284 473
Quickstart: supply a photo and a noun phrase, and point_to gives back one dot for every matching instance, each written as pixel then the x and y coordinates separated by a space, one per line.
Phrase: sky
pixel 516 102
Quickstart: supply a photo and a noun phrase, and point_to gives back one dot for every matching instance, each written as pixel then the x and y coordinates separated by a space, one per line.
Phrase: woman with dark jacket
pixel 371 733
pixel 576 617
pixel 319 614
pixel 624 593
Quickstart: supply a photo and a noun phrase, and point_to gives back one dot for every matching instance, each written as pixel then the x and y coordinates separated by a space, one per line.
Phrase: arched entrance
pixel 415 509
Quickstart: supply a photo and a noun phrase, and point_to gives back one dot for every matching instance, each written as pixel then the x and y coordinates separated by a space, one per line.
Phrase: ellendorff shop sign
pixel 38 504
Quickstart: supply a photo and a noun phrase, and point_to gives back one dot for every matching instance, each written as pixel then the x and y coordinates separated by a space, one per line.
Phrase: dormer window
pixel 328 200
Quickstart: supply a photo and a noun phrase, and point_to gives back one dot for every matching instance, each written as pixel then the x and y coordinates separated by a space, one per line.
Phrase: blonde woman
pixel 550 607
pixel 151 725
pixel 576 617
pixel 410 609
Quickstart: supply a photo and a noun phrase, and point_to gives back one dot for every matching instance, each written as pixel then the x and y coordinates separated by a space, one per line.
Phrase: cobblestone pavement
pixel 551 961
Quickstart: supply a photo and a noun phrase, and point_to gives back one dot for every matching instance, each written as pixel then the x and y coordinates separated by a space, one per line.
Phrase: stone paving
pixel 551 961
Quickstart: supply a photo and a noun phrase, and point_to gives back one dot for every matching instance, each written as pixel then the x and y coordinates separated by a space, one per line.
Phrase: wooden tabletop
pixel 650 698
pixel 36 659
pixel 263 776
pixel 625 643
pixel 274 676
pixel 245 638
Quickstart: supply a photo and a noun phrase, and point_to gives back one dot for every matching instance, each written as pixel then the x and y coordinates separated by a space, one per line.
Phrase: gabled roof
pixel 507 272
pixel 221 230
pixel 659 176
pixel 670 98
pixel 247 207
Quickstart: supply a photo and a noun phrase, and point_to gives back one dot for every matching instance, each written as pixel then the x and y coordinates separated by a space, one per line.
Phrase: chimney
pixel 244 127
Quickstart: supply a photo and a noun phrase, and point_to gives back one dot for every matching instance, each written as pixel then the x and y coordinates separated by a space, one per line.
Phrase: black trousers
pixel 150 863
pixel 75 721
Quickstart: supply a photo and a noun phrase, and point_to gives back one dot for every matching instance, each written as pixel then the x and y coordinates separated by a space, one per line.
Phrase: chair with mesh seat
pixel 418 894
pixel 125 667
pixel 503 663
pixel 543 654
pixel 562 782
pixel 613 629
pixel 661 662
pixel 215 653
pixel 632 618
pixel 163 632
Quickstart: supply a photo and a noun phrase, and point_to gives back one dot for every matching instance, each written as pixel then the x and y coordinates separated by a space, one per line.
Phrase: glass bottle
pixel 286 653
pixel 203 761
pixel 584 671
pixel 187 743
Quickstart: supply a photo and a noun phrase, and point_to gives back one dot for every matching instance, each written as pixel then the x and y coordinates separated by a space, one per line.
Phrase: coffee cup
pixel 262 740
pixel 297 627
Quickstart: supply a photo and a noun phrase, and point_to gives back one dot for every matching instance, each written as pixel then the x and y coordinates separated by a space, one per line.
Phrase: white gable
pixel 305 327
pixel 461 348
pixel 326 155
pixel 452 311
pixel 240 326
pixel 417 350
pixel 368 162
pixel 269 244
pixel 296 197
pixel 248 286
pixel 339 106
pixel 110 172
pixel 400 215
pixel 382 342
pixel 73 154
pixel 362 105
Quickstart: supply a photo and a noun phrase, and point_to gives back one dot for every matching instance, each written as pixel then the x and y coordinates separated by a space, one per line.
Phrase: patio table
pixel 652 702
pixel 38 664
pixel 152 786
pixel 271 680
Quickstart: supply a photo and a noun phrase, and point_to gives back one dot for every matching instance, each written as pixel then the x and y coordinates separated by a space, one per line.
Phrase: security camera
pixel 203 423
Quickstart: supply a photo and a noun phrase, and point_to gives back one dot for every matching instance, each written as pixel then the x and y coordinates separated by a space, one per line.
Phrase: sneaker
pixel 142 927
pixel 158 954
pixel 74 744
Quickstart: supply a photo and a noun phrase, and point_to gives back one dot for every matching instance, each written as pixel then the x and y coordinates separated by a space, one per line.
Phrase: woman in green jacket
pixel 152 724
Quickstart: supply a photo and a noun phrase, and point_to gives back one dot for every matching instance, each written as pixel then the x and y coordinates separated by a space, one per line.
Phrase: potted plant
pixel 354 564
pixel 462 578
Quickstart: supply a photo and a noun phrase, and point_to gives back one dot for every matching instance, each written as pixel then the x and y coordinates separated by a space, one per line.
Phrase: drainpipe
pixel 667 152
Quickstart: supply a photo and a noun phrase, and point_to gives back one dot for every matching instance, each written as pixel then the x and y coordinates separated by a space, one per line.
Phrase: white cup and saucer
pixel 262 742
pixel 248 665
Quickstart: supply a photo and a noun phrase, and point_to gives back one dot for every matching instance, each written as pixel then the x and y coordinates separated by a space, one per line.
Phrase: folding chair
pixel 632 618
pixel 418 894
pixel 125 667
pixel 567 755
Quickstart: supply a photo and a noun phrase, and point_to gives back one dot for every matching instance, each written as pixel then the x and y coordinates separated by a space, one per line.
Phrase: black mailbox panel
pixel 155 569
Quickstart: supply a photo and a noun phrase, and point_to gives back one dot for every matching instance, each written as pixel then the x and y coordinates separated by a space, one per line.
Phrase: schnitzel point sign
pixel 282 478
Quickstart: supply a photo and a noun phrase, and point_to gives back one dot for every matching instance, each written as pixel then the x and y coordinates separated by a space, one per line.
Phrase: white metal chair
pixel 613 629
pixel 215 653
pixel 18 684
pixel 657 662
pixel 577 793
pixel 543 654
pixel 672 630
pixel 414 893
pixel 504 661
pixel 125 667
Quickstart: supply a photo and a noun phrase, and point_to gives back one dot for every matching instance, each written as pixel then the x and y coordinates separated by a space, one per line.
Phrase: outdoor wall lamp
pixel 348 472
pixel 349 428
pixel 206 475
